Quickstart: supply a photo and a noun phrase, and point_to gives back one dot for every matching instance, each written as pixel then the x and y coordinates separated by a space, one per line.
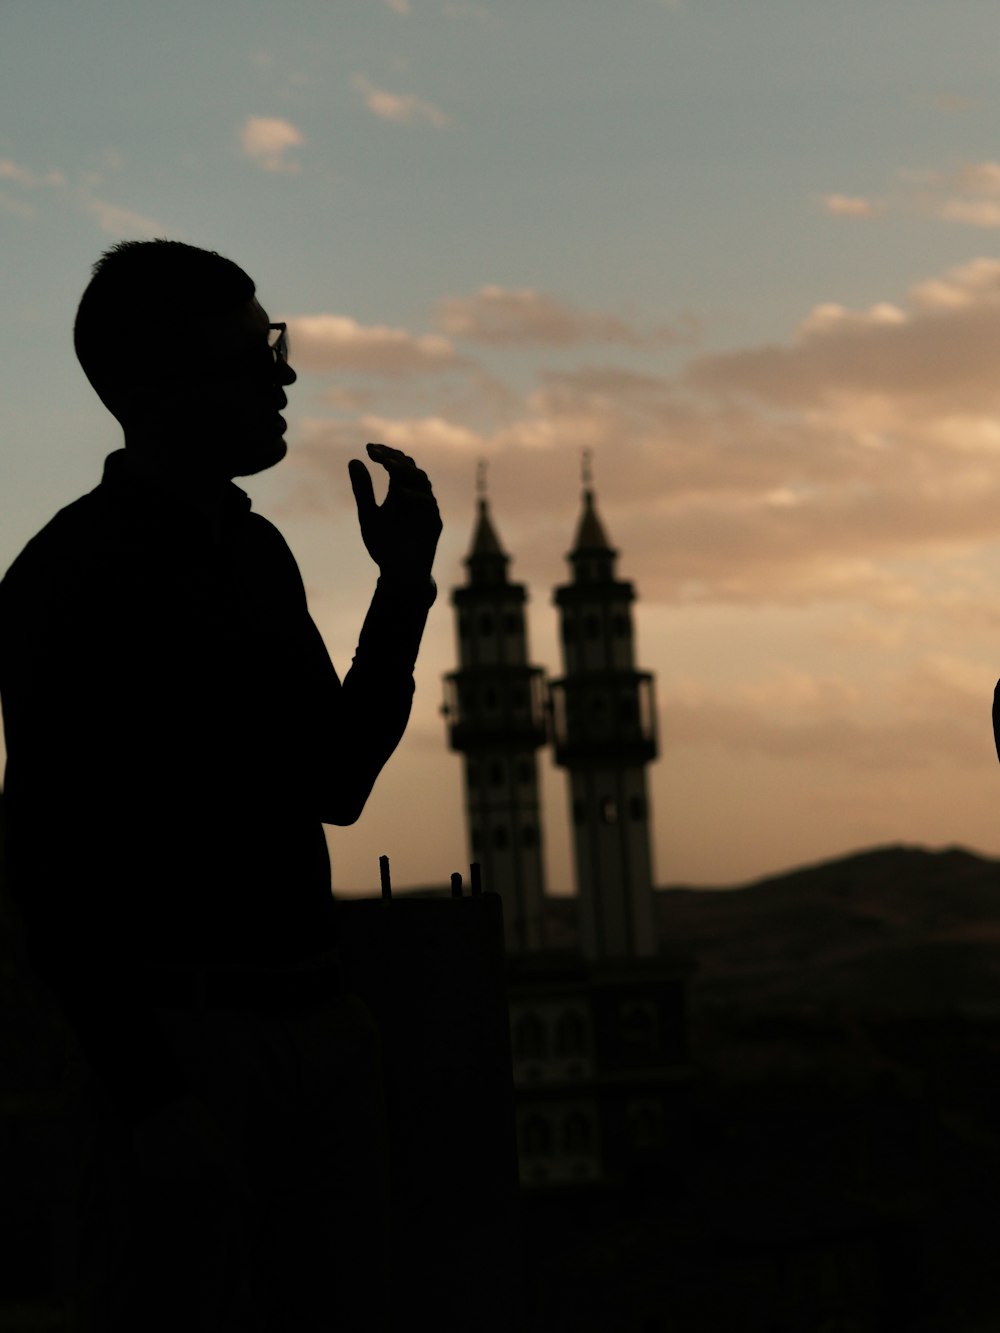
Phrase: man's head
pixel 177 347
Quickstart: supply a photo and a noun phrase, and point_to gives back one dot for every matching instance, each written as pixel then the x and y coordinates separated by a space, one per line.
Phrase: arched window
pixel 529 1038
pixel 537 1137
pixel 571 1034
pixel 639 1027
pixel 577 1133
pixel 609 810
pixel 486 622
pixel 645 1124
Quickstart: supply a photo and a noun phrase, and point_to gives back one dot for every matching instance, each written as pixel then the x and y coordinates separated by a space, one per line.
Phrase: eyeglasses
pixel 277 340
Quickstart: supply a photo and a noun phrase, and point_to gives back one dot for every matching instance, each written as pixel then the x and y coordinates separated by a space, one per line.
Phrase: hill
pixel 891 930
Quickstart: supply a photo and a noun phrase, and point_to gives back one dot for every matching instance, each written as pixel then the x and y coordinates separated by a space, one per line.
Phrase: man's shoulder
pixel 70 532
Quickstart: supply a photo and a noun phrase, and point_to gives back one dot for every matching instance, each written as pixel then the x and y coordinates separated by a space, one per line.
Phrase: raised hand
pixel 400 534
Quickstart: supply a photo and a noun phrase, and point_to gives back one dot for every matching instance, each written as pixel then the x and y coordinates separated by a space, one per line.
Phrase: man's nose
pixel 286 375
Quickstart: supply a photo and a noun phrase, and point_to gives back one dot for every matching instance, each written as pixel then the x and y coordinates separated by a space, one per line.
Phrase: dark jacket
pixel 177 737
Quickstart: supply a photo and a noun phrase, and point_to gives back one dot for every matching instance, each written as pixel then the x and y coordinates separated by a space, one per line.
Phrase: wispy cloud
pixel 968 194
pixel 851 205
pixel 811 471
pixel 13 171
pixel 398 6
pixel 267 141
pixel 123 223
pixel 523 315
pixel 337 342
pixel 113 219
pixel 400 108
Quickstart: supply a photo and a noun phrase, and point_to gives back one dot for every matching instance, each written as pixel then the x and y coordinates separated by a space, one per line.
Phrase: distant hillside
pixel 895 930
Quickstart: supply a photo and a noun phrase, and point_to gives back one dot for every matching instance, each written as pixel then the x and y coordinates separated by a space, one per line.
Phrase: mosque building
pixel 597 1031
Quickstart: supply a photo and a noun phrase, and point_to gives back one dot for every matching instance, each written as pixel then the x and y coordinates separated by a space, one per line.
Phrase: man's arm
pixel 401 535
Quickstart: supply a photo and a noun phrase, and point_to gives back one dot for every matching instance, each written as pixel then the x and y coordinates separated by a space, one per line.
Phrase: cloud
pixel 121 222
pixel 267 140
pixel 923 716
pixel 401 108
pixel 334 343
pixel 13 171
pixel 522 315
pixel 968 194
pixel 850 464
pixel 114 219
pixel 941 351
pixel 398 6
pixel 974 212
pixel 850 206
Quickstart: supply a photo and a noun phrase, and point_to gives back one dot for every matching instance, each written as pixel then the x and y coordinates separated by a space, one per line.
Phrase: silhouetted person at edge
pixel 177 737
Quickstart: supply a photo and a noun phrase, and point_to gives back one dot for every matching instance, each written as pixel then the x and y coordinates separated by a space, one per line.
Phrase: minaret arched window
pixel 537 1137
pixel 571 1034
pixel 529 1038
pixel 577 1133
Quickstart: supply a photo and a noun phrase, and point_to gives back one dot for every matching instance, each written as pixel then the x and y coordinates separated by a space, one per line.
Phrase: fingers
pixel 361 485
pixel 400 467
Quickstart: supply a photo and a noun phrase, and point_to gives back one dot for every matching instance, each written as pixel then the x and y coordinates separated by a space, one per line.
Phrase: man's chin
pixel 258 458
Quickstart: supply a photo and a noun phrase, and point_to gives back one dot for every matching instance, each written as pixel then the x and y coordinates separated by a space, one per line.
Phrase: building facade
pixel 597 1030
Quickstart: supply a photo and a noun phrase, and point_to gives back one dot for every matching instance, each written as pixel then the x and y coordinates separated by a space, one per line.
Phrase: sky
pixel 748 255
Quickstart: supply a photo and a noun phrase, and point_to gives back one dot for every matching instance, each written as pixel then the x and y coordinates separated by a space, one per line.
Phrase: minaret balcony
pixel 604 717
pixel 496 709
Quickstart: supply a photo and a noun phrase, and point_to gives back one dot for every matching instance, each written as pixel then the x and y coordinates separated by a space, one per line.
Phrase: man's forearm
pixel 377 693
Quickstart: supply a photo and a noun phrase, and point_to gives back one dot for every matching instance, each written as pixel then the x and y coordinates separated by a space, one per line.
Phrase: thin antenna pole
pixel 481 469
pixel 383 874
pixel 586 468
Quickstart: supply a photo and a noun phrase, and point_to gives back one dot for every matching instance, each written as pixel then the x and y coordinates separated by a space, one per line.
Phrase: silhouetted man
pixel 177 737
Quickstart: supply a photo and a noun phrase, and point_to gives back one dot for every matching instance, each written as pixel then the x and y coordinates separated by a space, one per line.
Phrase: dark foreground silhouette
pixel 177 737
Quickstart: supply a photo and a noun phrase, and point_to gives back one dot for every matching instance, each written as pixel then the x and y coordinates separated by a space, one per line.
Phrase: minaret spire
pixel 495 706
pixel 605 736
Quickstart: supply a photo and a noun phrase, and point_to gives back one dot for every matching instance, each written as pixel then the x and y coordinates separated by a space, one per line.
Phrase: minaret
pixel 495 705
pixel 604 725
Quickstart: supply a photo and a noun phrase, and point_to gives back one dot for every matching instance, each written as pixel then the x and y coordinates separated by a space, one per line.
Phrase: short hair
pixel 131 319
